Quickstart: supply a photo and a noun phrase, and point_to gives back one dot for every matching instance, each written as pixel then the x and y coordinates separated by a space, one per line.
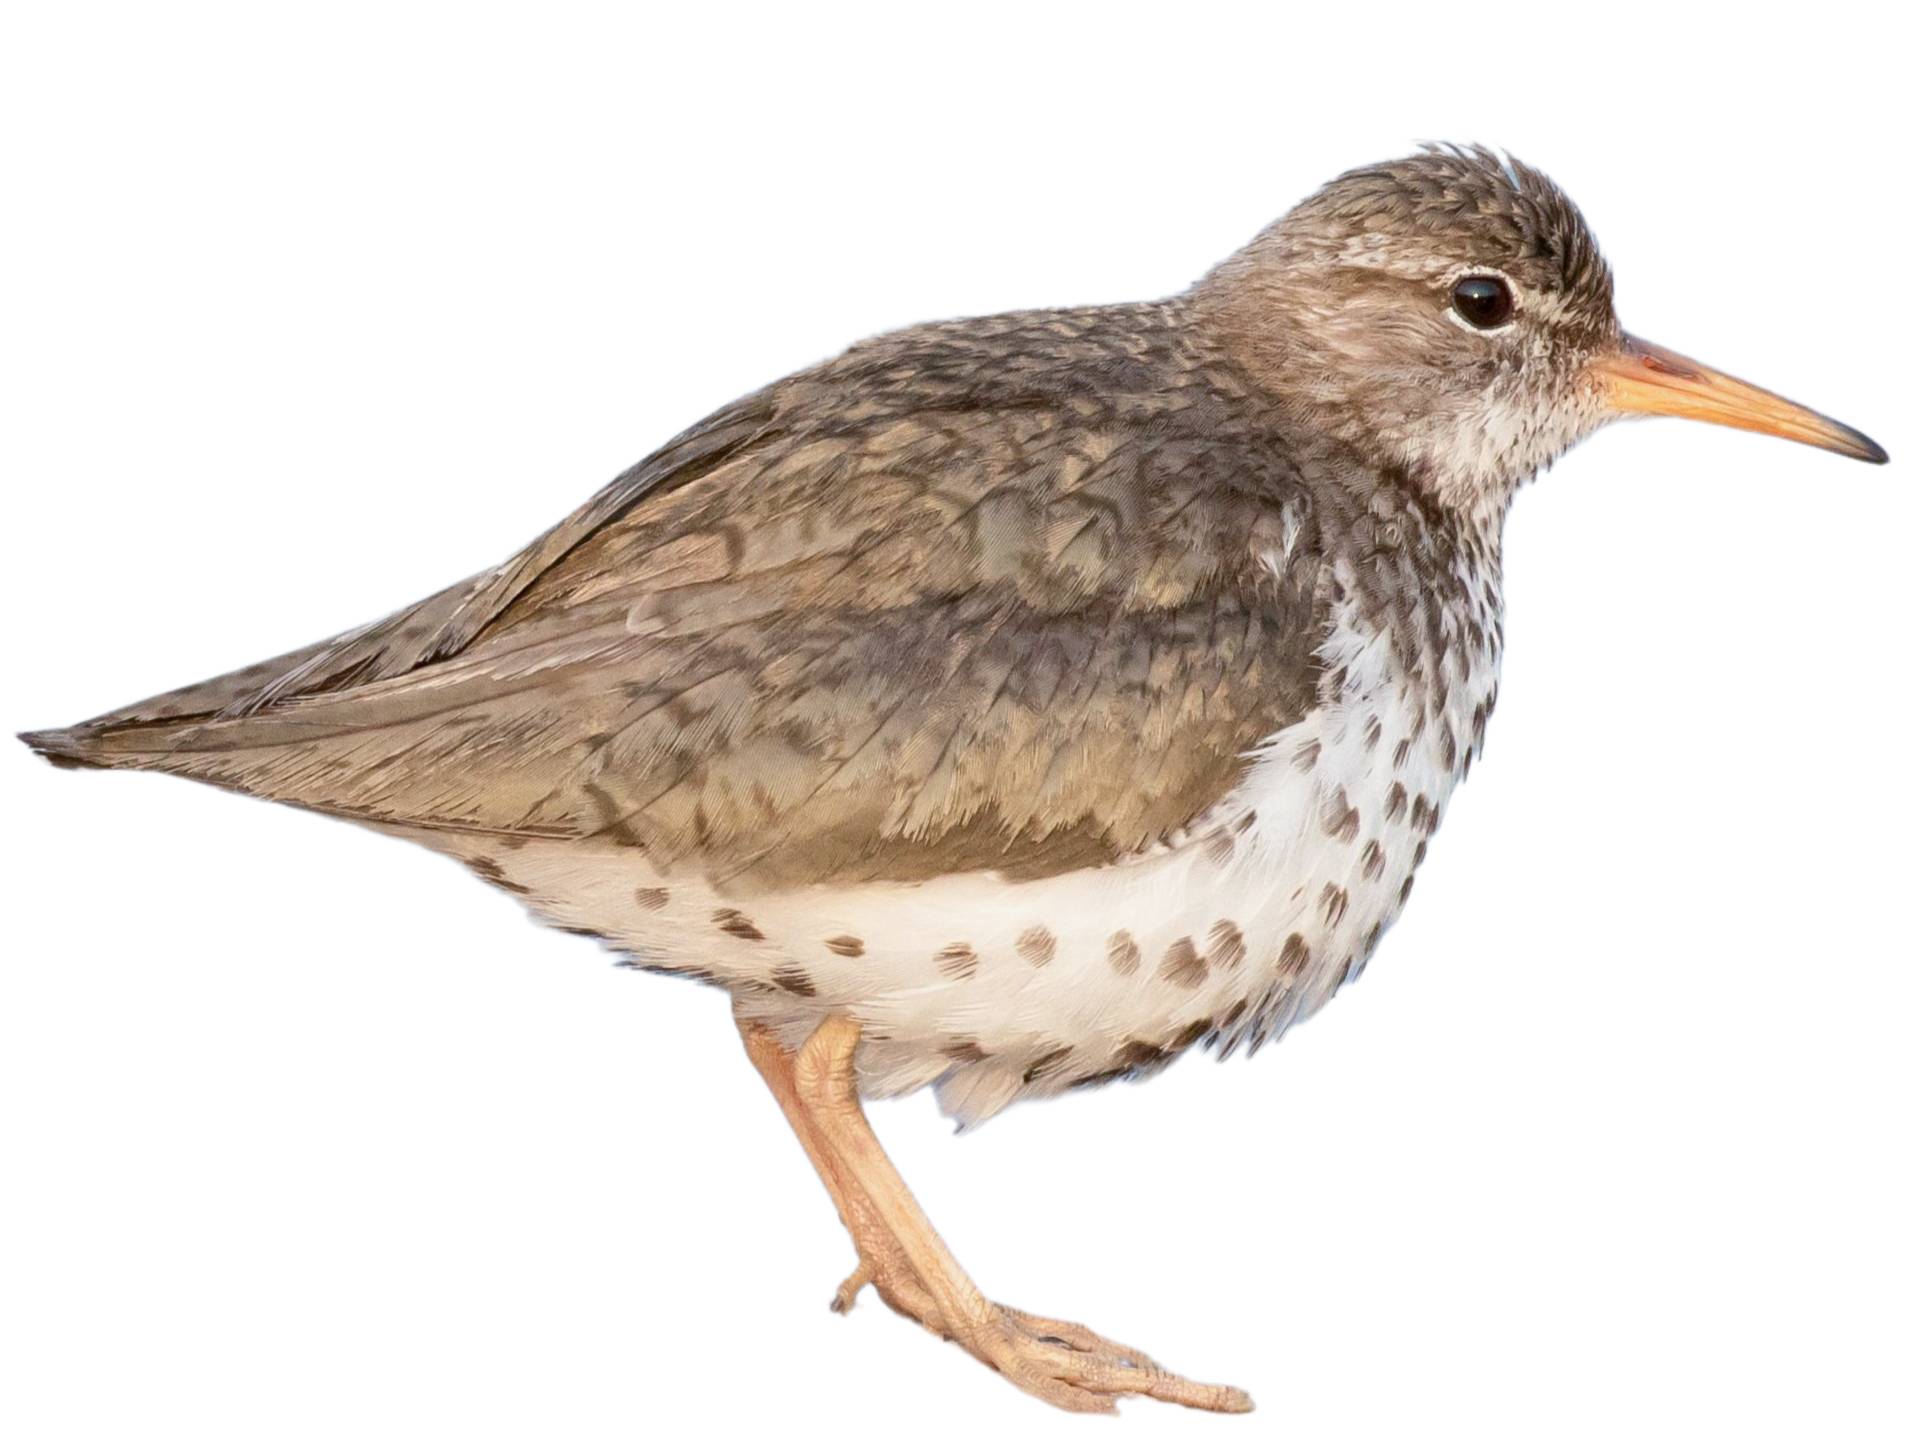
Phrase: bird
pixel 1013 704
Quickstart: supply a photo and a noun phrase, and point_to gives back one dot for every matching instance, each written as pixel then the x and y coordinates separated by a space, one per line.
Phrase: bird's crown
pixel 1451 199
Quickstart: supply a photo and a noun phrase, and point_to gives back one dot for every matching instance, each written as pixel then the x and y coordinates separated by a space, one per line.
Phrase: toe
pixel 1073 1336
pixel 1078 1356
pixel 1011 1354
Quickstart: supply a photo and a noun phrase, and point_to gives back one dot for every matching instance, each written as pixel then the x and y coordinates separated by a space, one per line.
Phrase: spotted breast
pixel 994 987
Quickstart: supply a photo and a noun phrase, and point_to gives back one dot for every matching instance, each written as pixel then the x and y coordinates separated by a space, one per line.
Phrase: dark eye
pixel 1483 301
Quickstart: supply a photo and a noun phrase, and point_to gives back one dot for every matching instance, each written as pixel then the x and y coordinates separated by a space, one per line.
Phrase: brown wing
pixel 997 595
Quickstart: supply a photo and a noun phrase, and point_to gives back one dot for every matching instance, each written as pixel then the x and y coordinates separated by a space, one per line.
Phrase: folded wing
pixel 875 621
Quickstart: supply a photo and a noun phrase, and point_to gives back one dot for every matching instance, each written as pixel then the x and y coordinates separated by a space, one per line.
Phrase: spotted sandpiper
pixel 1008 704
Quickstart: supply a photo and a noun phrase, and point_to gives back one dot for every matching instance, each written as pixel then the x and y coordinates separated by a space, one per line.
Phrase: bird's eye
pixel 1483 301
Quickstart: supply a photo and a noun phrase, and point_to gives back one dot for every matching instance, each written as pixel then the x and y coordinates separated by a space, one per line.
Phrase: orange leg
pixel 904 1259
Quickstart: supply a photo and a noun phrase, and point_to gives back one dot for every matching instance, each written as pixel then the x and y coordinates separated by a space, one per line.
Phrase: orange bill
pixel 1646 379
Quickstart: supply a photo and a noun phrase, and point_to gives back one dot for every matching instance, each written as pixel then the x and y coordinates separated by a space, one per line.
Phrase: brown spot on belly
pixel 1189 1036
pixel 1182 965
pixel 1048 1062
pixel 966 1051
pixel 794 980
pixel 1219 848
pixel 732 922
pixel 1136 1053
pixel 846 944
pixel 1306 756
pixel 1332 904
pixel 1294 956
pixel 1338 817
pixel 1037 946
pixel 1400 752
pixel 957 961
pixel 1122 952
pixel 1136 1056
pixel 650 898
pixel 1225 945
pixel 1396 801
pixel 1372 860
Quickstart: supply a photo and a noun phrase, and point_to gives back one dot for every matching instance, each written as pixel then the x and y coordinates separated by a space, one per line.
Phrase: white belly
pixel 995 989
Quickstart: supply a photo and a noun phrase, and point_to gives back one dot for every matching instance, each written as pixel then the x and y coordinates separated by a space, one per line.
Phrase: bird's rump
pixel 1017 594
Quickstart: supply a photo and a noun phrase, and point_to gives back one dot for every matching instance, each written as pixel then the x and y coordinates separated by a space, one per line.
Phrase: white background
pixel 305 1133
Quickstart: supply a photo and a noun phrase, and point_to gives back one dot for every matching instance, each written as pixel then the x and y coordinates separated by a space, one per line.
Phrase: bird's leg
pixel 911 1267
pixel 776 1065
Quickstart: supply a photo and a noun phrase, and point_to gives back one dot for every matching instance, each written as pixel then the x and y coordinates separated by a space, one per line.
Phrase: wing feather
pixel 899 615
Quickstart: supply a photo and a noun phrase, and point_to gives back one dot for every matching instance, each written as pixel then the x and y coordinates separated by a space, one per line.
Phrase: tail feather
pixel 62 748
pixel 107 743
pixel 484 745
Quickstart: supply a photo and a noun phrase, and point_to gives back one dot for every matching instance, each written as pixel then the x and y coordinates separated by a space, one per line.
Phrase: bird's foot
pixel 1066 1364
pixel 903 1258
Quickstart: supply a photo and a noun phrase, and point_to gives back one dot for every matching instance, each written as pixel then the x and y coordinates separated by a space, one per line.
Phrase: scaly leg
pixel 902 1256
pixel 776 1065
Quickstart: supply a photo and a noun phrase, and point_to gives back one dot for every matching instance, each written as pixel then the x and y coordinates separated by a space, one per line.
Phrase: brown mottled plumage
pixel 914 610
pixel 1007 704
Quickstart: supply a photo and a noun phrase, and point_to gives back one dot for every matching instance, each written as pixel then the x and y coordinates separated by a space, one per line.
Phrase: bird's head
pixel 1450 315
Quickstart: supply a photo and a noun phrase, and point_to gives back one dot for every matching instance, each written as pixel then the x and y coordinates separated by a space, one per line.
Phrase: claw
pixel 849 1289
